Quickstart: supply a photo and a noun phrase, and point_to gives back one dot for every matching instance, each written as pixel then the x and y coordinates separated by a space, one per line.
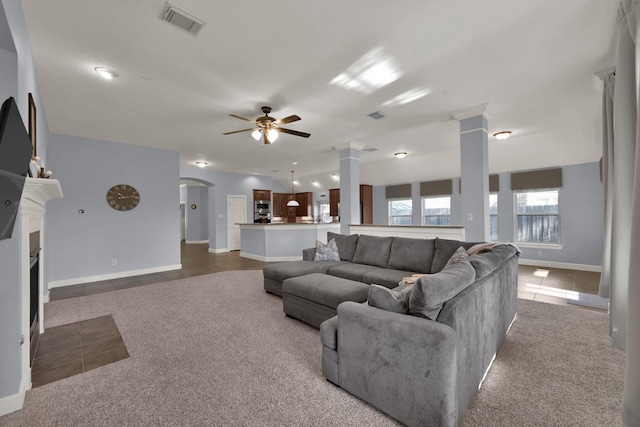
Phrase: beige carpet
pixel 217 350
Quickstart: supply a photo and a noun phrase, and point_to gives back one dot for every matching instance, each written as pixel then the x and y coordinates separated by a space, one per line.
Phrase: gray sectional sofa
pixel 417 352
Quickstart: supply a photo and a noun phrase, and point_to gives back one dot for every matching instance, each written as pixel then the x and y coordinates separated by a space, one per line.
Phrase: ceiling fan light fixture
pixel 256 135
pixel 272 134
pixel 502 135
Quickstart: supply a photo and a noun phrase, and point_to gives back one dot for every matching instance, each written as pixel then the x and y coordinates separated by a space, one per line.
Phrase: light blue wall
pixel 222 184
pixel 198 218
pixel 581 215
pixel 84 245
pixel 17 79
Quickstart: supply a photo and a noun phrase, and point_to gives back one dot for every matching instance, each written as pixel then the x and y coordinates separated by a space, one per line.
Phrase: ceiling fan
pixel 268 127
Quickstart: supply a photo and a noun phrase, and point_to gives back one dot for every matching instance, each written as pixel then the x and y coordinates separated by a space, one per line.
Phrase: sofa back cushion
pixel 373 250
pixel 431 291
pixel 444 249
pixel 411 254
pixel 488 260
pixel 346 244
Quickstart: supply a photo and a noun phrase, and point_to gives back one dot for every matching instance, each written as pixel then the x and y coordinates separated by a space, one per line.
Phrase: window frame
pixel 422 211
pixel 536 245
pixel 496 215
pixel 390 216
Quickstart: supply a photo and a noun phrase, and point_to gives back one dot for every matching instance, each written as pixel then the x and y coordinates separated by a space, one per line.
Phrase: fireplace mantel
pixel 35 194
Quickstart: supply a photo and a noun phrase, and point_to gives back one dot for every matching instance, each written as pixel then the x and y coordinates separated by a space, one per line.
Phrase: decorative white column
pixel 474 172
pixel 349 184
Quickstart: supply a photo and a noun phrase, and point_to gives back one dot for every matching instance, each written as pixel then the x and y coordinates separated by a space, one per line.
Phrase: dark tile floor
pixel 75 348
pixel 71 349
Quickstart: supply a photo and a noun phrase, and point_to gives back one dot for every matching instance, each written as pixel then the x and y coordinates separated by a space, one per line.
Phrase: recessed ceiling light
pixel 400 154
pixel 502 135
pixel 202 164
pixel 294 163
pixel 316 183
pixel 335 176
pixel 105 72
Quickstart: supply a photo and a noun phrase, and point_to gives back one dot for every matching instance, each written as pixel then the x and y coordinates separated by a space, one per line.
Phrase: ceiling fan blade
pixel 238 131
pixel 289 119
pixel 294 132
pixel 242 118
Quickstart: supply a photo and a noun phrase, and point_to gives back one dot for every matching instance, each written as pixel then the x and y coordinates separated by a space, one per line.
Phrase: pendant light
pixel 292 202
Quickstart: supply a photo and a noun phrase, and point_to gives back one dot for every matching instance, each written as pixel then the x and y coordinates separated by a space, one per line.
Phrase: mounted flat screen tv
pixel 15 156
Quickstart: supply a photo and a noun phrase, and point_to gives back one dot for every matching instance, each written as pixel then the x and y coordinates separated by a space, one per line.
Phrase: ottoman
pixel 314 298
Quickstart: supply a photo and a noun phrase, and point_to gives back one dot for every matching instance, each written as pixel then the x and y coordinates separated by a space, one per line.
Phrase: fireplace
pixel 34 292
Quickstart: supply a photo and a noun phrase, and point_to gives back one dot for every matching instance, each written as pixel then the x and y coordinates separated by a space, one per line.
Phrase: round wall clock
pixel 123 197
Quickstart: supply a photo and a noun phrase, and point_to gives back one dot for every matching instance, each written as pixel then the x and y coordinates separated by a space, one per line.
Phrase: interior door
pixel 236 214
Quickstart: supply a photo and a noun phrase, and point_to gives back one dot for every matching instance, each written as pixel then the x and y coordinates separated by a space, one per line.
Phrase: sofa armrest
pixel 308 254
pixel 402 364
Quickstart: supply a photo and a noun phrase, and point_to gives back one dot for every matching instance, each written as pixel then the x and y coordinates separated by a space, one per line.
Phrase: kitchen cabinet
pixel 279 205
pixel 334 200
pixel 261 195
pixel 306 204
pixel 366 203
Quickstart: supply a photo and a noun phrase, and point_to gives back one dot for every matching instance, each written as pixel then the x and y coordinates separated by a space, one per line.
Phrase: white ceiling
pixel 532 62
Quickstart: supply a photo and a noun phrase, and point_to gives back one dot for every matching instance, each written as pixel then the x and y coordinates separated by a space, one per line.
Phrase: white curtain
pixel 621 160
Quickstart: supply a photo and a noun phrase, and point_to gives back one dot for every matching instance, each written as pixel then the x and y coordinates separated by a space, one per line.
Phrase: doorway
pixel 236 214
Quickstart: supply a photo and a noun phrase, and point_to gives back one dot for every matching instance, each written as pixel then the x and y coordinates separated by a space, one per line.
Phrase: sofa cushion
pixel 411 254
pixel 431 291
pixel 488 260
pixel 325 290
pixel 279 271
pixel 326 252
pixel 396 300
pixel 351 271
pixel 346 244
pixel 444 248
pixel 373 250
pixel 385 276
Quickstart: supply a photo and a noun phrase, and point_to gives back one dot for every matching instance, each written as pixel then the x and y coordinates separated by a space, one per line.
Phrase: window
pixel 436 210
pixel 400 212
pixel 325 215
pixel 537 217
pixel 493 217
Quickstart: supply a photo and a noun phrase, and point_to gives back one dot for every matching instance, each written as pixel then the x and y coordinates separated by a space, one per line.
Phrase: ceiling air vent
pixel 377 115
pixel 181 19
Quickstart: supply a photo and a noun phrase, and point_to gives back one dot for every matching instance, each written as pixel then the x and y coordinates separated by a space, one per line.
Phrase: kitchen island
pixel 281 242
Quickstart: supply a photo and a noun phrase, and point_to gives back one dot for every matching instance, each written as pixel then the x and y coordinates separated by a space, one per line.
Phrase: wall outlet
pixel 114 262
pixel 469 217
pixel 539 253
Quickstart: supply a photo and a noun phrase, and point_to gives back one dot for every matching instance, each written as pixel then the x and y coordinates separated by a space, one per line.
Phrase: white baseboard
pixel 13 402
pixel 195 242
pixel 111 276
pixel 219 251
pixel 270 258
pixel 565 265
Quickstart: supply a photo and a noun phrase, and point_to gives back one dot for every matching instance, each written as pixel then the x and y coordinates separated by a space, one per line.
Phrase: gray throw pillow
pixel 432 291
pixel 396 300
pixel 328 252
